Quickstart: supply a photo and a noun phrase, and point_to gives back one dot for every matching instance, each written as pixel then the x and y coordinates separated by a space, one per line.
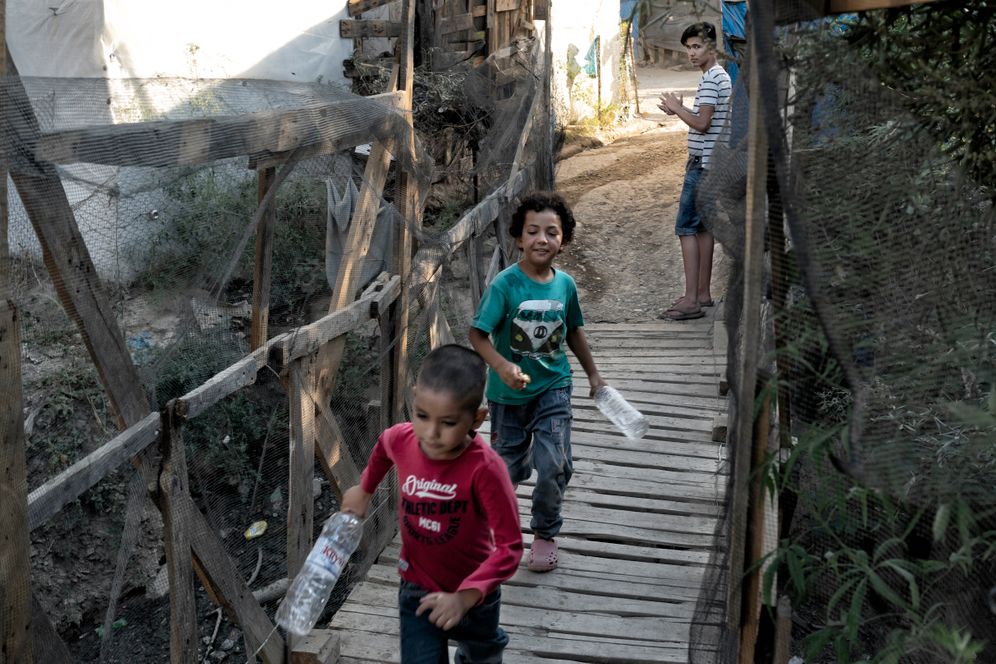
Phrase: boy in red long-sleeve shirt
pixel 460 536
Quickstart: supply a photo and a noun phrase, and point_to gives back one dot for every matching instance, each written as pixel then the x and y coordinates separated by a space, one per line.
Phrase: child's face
pixel 442 423
pixel 698 50
pixel 541 238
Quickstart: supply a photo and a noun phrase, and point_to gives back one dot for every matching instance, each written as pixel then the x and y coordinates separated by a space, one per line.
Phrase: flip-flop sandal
pixel 710 303
pixel 678 314
pixel 542 555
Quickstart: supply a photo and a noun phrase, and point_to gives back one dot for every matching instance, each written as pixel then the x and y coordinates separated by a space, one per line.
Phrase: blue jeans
pixel 538 435
pixel 479 638
pixel 689 222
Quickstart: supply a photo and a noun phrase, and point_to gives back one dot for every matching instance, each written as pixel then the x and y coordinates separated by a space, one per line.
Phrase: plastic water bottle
pixel 310 591
pixel 626 418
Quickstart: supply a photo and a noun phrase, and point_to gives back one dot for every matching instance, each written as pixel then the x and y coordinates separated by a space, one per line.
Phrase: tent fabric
pixel 734 34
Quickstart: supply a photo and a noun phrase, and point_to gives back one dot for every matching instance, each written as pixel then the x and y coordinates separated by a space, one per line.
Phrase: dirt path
pixel 625 256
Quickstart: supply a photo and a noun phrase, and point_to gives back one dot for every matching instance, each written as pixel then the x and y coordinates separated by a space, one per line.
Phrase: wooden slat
pixel 169 142
pixel 357 7
pixel 46 501
pixel 358 29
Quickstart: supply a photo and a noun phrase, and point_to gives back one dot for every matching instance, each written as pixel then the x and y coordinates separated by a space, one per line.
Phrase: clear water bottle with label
pixel 619 411
pixel 310 591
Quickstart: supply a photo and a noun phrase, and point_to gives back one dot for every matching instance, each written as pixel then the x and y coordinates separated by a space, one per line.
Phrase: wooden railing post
pixel 750 328
pixel 264 261
pixel 15 543
pixel 409 212
pixel 300 499
pixel 173 486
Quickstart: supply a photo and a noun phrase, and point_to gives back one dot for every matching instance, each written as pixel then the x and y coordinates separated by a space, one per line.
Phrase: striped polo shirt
pixel 714 90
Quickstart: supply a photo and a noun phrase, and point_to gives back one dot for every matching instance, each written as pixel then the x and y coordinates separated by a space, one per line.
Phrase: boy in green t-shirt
pixel 526 315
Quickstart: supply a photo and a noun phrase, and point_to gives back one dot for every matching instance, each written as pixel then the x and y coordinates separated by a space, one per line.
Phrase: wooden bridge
pixel 639 518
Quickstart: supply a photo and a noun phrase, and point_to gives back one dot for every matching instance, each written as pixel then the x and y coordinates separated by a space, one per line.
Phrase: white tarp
pixel 293 40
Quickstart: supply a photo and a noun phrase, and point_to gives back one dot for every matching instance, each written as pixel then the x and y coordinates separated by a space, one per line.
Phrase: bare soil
pixel 625 256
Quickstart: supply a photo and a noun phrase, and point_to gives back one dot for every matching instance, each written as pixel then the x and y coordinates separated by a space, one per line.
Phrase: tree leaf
pixel 941 518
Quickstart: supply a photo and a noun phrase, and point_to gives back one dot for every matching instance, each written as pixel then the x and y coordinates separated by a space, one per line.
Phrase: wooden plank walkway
pixel 639 518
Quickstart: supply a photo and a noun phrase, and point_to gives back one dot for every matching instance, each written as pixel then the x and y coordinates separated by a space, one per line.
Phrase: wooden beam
pixel 300 497
pixel 264 261
pixel 70 266
pixel 15 542
pixel 46 501
pixel 80 291
pixel 225 583
pixel 310 338
pixel 439 327
pixel 475 220
pixel 334 457
pixel 173 485
pixel 544 152
pixel 410 212
pixel 357 7
pixel 227 381
pixel 334 126
pixel 506 5
pixel 474 263
pixel 351 264
pixel 750 322
pixel 359 28
pixel 494 266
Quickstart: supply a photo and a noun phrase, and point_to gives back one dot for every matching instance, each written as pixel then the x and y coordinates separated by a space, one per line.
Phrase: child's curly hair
pixel 538 201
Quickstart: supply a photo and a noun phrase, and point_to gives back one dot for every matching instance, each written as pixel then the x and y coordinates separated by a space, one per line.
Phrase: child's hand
pixel 512 376
pixel 595 381
pixel 447 609
pixel 355 501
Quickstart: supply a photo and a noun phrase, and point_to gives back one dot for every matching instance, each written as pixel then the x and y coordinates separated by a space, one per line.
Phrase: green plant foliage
pixel 208 210
pixel 935 57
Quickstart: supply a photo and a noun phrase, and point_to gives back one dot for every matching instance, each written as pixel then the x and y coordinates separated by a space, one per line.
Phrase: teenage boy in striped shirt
pixel 705 121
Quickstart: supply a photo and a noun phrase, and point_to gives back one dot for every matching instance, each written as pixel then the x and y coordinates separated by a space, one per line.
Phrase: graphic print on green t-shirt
pixel 537 330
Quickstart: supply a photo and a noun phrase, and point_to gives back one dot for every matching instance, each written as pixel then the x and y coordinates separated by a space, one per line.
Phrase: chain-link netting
pixel 877 351
pixel 143 200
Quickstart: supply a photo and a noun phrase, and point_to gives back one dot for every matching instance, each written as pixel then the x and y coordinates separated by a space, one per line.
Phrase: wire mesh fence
pixel 878 335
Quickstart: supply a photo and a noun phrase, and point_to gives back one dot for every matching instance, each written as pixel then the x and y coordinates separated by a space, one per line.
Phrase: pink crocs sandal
pixel 542 555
